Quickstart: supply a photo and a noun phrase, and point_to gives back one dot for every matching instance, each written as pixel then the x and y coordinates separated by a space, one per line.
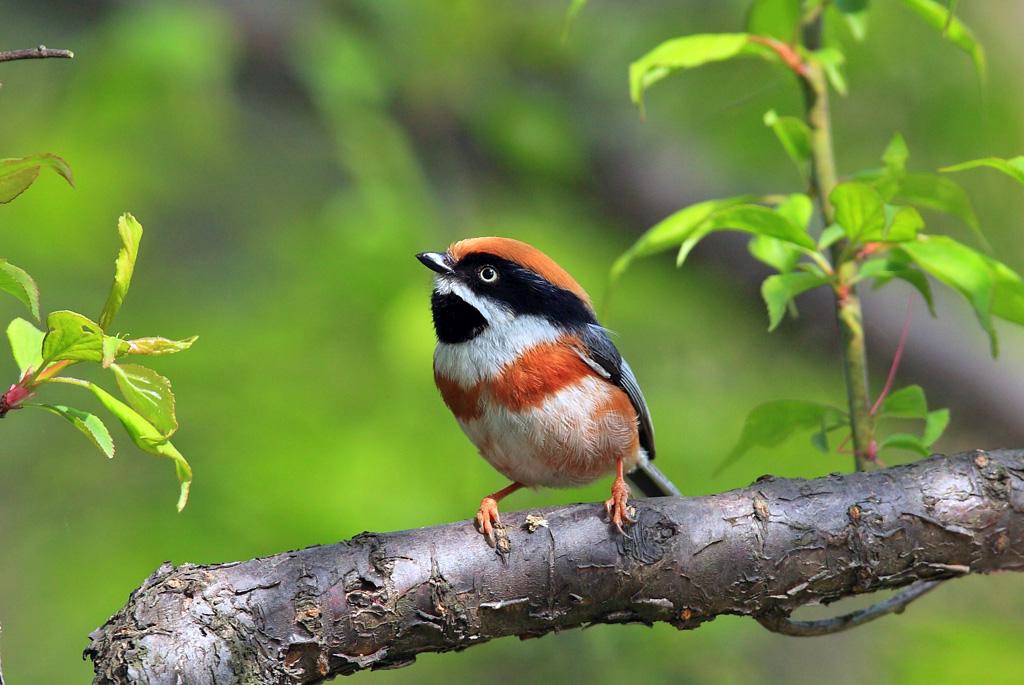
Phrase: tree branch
pixel 379 599
pixel 40 52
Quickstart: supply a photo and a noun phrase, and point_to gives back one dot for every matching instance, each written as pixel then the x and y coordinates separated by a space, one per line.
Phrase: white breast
pixel 498 345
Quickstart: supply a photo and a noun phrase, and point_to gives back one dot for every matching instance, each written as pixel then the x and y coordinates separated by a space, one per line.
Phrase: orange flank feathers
pixel 463 402
pixel 537 374
pixel 524 255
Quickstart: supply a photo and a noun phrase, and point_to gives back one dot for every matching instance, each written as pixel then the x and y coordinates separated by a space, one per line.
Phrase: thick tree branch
pixel 379 599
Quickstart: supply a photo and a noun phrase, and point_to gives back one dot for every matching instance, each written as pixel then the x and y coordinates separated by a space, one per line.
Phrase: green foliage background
pixel 287 160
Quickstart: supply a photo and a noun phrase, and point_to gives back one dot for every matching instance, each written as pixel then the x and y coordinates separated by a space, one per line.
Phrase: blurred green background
pixel 287 160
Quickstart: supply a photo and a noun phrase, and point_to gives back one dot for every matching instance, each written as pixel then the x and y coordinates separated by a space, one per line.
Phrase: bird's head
pixel 495 282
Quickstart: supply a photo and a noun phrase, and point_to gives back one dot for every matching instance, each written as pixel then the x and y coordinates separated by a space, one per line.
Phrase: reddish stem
pixel 789 56
pixel 895 359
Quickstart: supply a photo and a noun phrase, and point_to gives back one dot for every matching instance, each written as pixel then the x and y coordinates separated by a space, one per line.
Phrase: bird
pixel 534 380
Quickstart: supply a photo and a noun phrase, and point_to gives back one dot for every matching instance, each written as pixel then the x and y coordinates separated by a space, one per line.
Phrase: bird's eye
pixel 488 274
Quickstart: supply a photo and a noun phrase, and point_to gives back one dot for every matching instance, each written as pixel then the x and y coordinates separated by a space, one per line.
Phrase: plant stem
pixel 848 310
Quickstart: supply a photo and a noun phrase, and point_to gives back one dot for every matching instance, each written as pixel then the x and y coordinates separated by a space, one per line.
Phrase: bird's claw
pixel 487 517
pixel 616 506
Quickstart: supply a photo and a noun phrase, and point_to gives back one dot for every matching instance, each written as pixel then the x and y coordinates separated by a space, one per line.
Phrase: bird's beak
pixel 441 262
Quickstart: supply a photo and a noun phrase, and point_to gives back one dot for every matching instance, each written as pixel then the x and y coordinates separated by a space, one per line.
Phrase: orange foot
pixel 487 517
pixel 616 506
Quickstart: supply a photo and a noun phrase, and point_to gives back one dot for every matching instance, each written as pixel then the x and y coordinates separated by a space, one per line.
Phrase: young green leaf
pixel 780 289
pixel 962 269
pixel 776 18
pixel 17 282
pixel 145 436
pixel 761 221
pixel 896 154
pixel 148 393
pixel 829 236
pixel 798 208
pixel 905 441
pixel 72 336
pixel 89 424
pixel 157 346
pixel 1008 295
pixel 934 426
pixel 908 403
pixel 903 224
pixel 113 347
pixel 26 345
pixel 856 14
pixel 781 256
pixel 794 135
pixel 859 210
pixel 931 191
pixel 1013 167
pixel 131 233
pixel 831 61
pixel 686 53
pixel 667 233
pixel 772 423
pixel 955 31
pixel 16 175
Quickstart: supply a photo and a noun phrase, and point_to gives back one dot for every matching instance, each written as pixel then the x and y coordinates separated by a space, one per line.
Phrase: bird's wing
pixel 601 355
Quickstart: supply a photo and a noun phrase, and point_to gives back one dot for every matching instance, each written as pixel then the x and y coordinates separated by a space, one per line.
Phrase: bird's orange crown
pixel 523 254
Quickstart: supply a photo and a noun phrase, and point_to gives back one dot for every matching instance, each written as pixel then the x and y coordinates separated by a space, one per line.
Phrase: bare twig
pixel 781 623
pixel 378 600
pixel 40 52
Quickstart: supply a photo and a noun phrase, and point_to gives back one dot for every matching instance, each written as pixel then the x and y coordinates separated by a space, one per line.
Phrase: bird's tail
pixel 652 482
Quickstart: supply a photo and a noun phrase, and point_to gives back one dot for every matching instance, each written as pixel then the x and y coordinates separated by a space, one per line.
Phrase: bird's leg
pixel 616 504
pixel 487 516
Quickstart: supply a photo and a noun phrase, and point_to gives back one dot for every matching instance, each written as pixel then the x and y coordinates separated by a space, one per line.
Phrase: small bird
pixel 533 379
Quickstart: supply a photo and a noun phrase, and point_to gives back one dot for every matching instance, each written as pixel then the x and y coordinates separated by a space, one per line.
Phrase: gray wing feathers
pixel 604 358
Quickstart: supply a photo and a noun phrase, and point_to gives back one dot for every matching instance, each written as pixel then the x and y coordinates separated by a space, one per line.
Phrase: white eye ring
pixel 488 274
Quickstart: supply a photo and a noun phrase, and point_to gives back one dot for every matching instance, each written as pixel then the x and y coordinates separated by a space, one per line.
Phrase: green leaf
pixel 896 154
pixel 770 424
pixel 962 269
pixel 1008 295
pixel 905 441
pixel 777 254
pixel 918 281
pixel 904 223
pixel 1013 167
pixel 17 282
pixel 859 208
pixel 669 232
pixel 798 208
pixel 155 346
pixel 16 175
pixel 686 53
pixel 113 347
pixel 89 424
pixel 830 235
pixel 934 426
pixel 26 345
pixel 908 403
pixel 146 437
pixel 941 194
pixel 72 336
pixel 794 135
pixel 131 233
pixel 831 61
pixel 780 289
pixel 955 31
pixel 761 221
pixel 856 14
pixel 776 18
pixel 148 393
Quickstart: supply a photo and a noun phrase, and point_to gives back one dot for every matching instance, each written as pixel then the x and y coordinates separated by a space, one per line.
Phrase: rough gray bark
pixel 379 599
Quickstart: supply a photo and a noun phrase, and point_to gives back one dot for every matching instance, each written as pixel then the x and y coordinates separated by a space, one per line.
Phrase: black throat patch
pixel 455 320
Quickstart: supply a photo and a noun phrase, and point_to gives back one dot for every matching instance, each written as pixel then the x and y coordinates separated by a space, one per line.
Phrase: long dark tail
pixel 652 482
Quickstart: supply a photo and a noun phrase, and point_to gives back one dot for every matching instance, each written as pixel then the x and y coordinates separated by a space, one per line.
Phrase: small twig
pixel 895 359
pixel 39 52
pixel 789 56
pixel 781 623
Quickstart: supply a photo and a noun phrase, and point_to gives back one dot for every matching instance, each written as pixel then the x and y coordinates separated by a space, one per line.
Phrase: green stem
pixel 848 310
